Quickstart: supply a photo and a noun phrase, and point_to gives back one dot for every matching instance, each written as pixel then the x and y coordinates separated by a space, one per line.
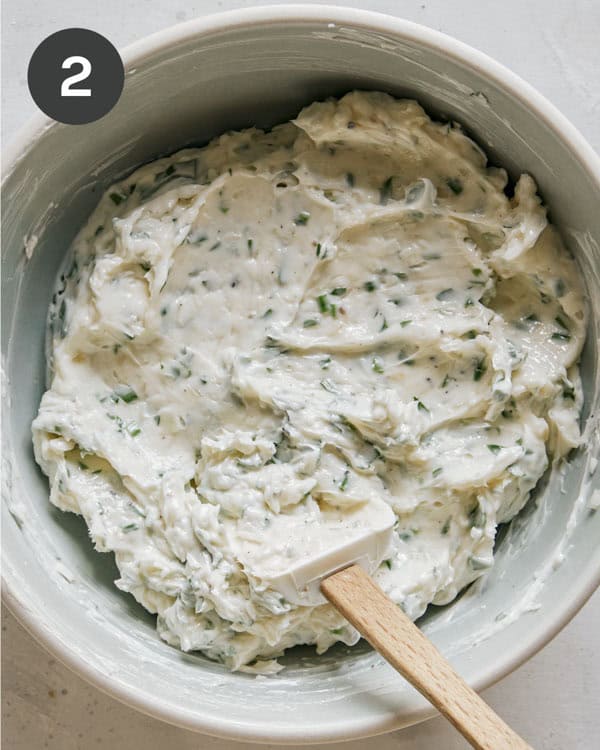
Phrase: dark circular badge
pixel 75 76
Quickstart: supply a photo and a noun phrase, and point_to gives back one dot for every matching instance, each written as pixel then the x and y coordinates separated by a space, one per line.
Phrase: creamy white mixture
pixel 284 326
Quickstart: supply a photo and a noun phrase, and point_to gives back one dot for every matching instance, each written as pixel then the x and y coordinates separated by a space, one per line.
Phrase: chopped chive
pixel 561 337
pixel 369 286
pixel 302 218
pixel 215 246
pixel 117 198
pixel 318 249
pixel 420 405
pixel 436 472
pixel 446 527
pixel 384 325
pixel 495 449
pixel 310 323
pixel 476 271
pixel 469 302
pixel 145 266
pixel 469 334
pixel 377 365
pixel 323 303
pixel 125 393
pixel 129 527
pixel 345 480
pixel 480 369
pixel 350 179
pixel 404 323
pixel 339 291
pixel 444 295
pixel 388 563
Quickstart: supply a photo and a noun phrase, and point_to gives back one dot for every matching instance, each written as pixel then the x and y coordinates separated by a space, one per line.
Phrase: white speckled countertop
pixel 553 699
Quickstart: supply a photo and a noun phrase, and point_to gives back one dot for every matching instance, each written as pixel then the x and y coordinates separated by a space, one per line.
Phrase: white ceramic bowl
pixel 184 85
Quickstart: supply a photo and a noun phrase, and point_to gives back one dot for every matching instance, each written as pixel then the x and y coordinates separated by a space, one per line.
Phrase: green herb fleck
pixel 377 365
pixel 310 323
pixel 302 218
pixel 420 405
pixel 444 295
pixel 339 291
pixel 344 482
pixel 495 449
pixel 125 393
pixel 117 198
pixel 370 286
pixel 561 336
pixel 479 369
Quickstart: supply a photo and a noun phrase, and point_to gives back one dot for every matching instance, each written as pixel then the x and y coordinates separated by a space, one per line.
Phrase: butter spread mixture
pixel 283 326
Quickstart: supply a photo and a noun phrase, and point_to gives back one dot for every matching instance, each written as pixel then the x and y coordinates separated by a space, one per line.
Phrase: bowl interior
pixel 202 79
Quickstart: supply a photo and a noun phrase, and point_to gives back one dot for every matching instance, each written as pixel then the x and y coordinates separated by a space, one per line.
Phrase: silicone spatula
pixel 322 558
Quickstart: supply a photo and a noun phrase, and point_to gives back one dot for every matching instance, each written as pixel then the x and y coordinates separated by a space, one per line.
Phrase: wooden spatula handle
pixel 385 626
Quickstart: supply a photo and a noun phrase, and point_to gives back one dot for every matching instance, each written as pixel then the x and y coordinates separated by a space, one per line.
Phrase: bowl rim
pixel 133 55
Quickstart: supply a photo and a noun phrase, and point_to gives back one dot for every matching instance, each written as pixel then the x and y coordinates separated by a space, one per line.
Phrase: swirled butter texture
pixel 282 326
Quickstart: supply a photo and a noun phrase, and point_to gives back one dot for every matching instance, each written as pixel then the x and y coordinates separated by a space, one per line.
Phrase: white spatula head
pixel 309 548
